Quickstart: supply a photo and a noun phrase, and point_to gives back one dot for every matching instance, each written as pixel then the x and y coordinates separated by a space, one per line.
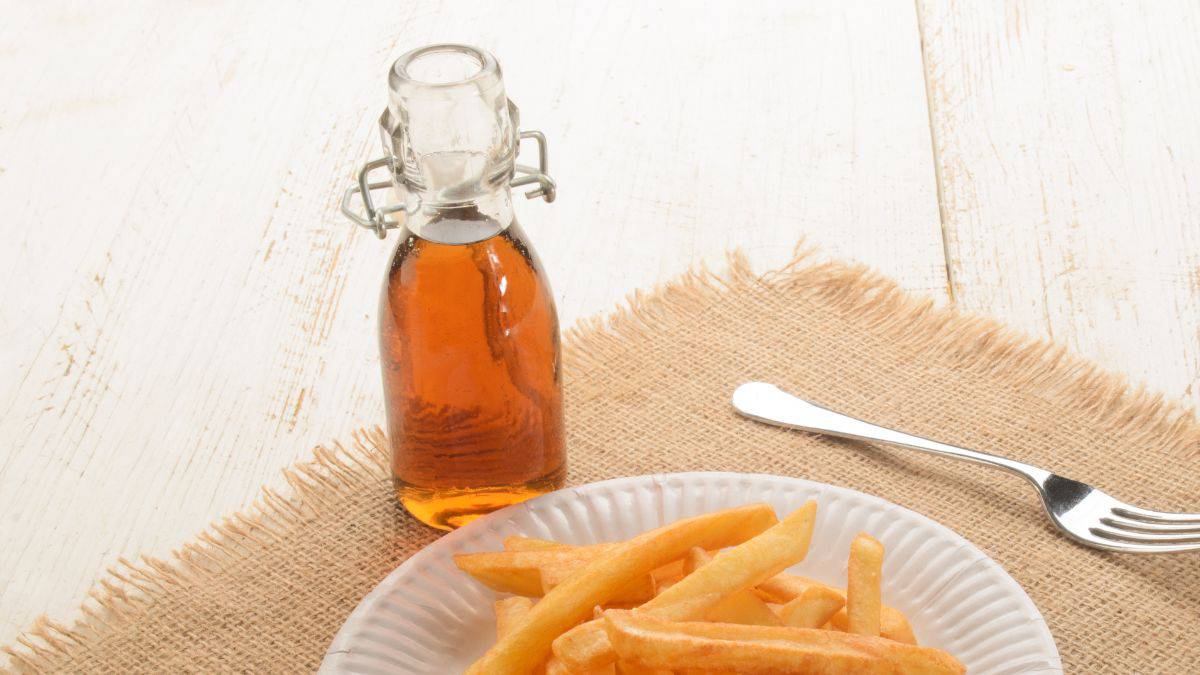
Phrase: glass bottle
pixel 469 341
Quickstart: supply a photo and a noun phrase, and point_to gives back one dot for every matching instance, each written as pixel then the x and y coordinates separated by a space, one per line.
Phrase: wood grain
pixel 183 312
pixel 1068 152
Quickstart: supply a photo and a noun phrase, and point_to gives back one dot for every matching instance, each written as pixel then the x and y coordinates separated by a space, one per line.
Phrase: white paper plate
pixel 427 617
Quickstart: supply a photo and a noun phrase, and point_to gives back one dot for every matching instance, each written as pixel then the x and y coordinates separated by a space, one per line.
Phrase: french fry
pixel 669 573
pixel 813 608
pixel 520 572
pixel 893 625
pixel 862 586
pixel 659 587
pixel 517 543
pixel 695 559
pixel 784 588
pixel 739 606
pixel 515 574
pixel 634 593
pixel 572 601
pixel 509 611
pixel 555 666
pixel 744 608
pixel 741 567
pixel 631 668
pixel 657 643
pixel 750 563
pixel 512 609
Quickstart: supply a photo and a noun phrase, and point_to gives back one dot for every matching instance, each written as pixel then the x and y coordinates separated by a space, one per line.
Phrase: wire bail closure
pixel 377 219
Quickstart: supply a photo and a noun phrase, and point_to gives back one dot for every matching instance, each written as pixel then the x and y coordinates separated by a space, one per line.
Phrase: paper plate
pixel 428 617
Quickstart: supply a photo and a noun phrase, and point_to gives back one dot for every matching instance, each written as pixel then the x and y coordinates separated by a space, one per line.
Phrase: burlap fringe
pixel 973 343
pixel 128 586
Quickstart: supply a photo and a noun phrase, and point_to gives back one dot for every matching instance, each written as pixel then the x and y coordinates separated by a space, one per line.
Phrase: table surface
pixel 183 311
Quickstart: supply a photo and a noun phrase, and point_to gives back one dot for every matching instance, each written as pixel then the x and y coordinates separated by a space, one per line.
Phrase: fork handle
pixel 767 403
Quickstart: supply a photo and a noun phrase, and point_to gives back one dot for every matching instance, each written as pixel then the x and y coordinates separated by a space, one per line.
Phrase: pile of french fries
pixel 701 595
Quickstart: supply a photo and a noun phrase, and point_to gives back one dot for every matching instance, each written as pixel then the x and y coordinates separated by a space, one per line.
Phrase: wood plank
pixel 1068 152
pixel 186 312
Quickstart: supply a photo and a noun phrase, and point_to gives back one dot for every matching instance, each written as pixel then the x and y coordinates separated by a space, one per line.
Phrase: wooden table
pixel 183 312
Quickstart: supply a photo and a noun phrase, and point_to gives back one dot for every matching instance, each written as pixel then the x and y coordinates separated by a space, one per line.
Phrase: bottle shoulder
pixel 505 252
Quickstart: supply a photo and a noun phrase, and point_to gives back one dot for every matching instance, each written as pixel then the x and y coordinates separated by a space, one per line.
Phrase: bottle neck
pixel 462 222
pixel 451 133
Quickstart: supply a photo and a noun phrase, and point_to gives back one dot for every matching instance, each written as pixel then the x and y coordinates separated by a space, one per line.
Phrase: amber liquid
pixel 470 351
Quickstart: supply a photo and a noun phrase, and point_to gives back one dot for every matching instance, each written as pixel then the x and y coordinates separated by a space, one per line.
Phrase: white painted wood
pixel 189 314
pixel 1069 153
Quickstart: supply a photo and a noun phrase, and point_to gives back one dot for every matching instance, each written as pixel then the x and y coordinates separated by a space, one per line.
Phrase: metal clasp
pixel 376 218
pixel 547 189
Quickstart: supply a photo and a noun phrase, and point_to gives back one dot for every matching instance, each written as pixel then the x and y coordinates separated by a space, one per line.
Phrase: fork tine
pixel 1153 540
pixel 1150 528
pixel 1148 516
pixel 1126 547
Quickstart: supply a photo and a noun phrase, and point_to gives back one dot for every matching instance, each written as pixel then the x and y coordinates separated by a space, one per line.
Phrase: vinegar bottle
pixel 469 341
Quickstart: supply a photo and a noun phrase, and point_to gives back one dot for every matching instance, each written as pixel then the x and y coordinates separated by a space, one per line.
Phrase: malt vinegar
pixel 470 350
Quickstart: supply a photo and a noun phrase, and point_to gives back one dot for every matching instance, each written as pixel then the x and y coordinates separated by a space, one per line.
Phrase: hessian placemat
pixel 648 391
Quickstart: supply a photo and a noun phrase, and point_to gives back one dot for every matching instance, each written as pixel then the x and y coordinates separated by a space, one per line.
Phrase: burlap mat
pixel 648 391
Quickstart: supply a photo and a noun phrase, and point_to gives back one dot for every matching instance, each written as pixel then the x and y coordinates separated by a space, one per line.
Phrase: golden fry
pixel 863 595
pixel 555 666
pixel 739 606
pixel 748 564
pixel 695 559
pixel 572 601
pixel 743 607
pixel 517 543
pixel 813 608
pixel 741 567
pixel 784 588
pixel 669 573
pixel 520 572
pixel 654 642
pixel 631 668
pixel 635 593
pixel 509 611
pixel 893 625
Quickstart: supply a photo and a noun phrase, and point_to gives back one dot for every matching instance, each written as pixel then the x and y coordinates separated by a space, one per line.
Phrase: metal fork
pixel 1082 512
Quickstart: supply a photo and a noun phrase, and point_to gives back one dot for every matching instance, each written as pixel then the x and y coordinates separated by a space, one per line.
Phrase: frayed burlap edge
pixel 129 586
pixel 972 343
